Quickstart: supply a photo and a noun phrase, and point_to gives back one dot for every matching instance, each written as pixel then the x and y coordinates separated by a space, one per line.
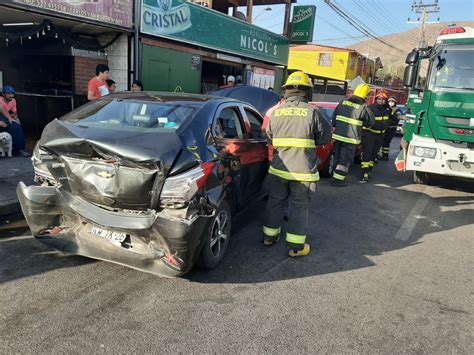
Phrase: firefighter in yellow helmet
pixel 348 118
pixel 294 130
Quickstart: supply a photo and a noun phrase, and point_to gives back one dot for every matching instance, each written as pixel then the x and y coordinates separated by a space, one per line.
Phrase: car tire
pixel 420 177
pixel 217 238
pixel 327 171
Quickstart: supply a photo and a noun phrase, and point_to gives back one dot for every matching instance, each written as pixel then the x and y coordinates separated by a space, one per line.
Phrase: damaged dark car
pixel 146 180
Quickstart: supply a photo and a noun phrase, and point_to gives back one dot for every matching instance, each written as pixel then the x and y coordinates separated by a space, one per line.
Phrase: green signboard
pixel 302 25
pixel 190 23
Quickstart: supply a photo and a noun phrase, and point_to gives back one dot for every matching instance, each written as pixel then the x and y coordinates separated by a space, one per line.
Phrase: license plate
pixel 109 235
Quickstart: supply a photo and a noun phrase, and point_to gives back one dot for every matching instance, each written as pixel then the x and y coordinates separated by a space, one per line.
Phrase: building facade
pixel 192 48
pixel 332 67
pixel 50 49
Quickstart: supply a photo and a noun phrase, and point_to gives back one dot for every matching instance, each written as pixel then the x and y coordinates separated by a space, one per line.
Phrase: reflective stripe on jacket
pixel 348 118
pixel 294 130
pixel 382 114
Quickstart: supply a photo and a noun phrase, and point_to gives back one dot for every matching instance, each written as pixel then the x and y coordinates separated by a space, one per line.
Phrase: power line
pixel 357 24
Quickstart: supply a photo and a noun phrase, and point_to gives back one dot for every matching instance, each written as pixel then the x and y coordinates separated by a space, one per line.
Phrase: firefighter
pixel 348 118
pixel 294 130
pixel 392 127
pixel 372 137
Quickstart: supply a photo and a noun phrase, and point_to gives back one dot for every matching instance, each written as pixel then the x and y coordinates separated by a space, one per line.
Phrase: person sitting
pixel 7 100
pixel 9 125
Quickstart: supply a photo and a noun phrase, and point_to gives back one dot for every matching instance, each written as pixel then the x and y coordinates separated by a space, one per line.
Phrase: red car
pixel 324 151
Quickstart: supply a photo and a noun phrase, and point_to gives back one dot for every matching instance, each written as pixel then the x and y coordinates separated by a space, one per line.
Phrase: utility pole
pixel 425 10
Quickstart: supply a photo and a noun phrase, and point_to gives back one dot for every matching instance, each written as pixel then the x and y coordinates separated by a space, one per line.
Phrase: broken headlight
pixel 42 174
pixel 178 190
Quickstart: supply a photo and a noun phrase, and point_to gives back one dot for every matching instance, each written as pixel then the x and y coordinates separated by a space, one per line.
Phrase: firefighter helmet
pixel 383 94
pixel 362 90
pixel 298 78
pixel 392 98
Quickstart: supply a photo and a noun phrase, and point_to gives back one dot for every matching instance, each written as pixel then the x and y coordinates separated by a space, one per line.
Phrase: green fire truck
pixel 439 126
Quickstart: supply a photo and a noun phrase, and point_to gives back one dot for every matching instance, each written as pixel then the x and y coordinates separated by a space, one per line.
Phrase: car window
pixel 137 115
pixel 327 112
pixel 255 123
pixel 228 124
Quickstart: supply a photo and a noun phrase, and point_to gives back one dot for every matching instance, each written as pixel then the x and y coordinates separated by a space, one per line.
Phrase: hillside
pixel 406 41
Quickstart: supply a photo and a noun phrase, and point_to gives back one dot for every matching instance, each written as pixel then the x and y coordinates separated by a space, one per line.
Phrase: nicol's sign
pixel 194 24
pixel 302 25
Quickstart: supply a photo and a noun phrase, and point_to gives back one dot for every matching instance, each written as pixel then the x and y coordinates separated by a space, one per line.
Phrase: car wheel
pixel 217 238
pixel 420 177
pixel 327 171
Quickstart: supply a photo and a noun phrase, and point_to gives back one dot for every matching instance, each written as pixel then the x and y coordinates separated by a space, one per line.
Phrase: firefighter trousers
pixel 343 157
pixel 371 143
pixel 297 195
pixel 387 139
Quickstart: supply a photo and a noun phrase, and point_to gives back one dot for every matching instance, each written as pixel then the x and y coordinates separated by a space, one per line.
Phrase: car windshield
pixel 327 112
pixel 453 67
pixel 134 114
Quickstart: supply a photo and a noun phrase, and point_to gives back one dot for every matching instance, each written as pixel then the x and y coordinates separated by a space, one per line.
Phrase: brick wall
pixel 84 70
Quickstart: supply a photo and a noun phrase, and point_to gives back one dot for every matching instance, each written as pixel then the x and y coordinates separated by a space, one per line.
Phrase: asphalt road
pixel 391 271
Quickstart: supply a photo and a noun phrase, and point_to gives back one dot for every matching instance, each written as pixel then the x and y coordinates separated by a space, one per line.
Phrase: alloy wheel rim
pixel 219 233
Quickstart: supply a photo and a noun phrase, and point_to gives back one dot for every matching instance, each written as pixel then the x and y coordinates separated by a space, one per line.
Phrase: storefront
pixel 50 49
pixel 188 47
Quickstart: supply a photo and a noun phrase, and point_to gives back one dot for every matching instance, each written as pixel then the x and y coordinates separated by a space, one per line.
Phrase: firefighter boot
pixel 339 183
pixel 365 178
pixel 302 252
pixel 268 241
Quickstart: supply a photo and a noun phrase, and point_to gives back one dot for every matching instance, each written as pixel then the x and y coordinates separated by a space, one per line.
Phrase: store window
pixel 325 59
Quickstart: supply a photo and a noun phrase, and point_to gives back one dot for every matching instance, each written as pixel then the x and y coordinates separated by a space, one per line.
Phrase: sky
pixel 383 17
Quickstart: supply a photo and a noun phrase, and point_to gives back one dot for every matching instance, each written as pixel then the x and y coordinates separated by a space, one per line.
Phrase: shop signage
pixel 263 78
pixel 191 23
pixel 114 12
pixel 195 62
pixel 302 25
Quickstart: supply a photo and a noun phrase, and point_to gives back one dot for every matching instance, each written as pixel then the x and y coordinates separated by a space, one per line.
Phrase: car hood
pixel 114 168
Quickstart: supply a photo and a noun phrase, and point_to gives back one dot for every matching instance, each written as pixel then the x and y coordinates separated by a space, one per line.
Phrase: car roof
pixel 161 96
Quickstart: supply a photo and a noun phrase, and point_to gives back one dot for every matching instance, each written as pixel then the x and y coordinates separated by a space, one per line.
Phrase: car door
pixel 230 138
pixel 254 156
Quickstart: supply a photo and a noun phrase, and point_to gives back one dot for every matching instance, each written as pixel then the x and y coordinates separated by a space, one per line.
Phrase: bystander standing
pixel 97 86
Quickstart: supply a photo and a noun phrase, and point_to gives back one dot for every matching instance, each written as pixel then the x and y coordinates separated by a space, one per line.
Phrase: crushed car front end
pixel 128 192
pixel 165 243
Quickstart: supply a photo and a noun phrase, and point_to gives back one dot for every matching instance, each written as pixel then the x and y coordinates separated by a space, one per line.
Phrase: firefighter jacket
pixel 294 130
pixel 382 115
pixel 348 118
pixel 394 117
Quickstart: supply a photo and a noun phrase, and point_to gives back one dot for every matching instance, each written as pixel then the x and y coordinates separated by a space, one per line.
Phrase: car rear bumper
pixel 449 160
pixel 162 243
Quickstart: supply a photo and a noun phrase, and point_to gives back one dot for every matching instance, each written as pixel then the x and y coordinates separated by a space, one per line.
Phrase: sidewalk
pixel 12 171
